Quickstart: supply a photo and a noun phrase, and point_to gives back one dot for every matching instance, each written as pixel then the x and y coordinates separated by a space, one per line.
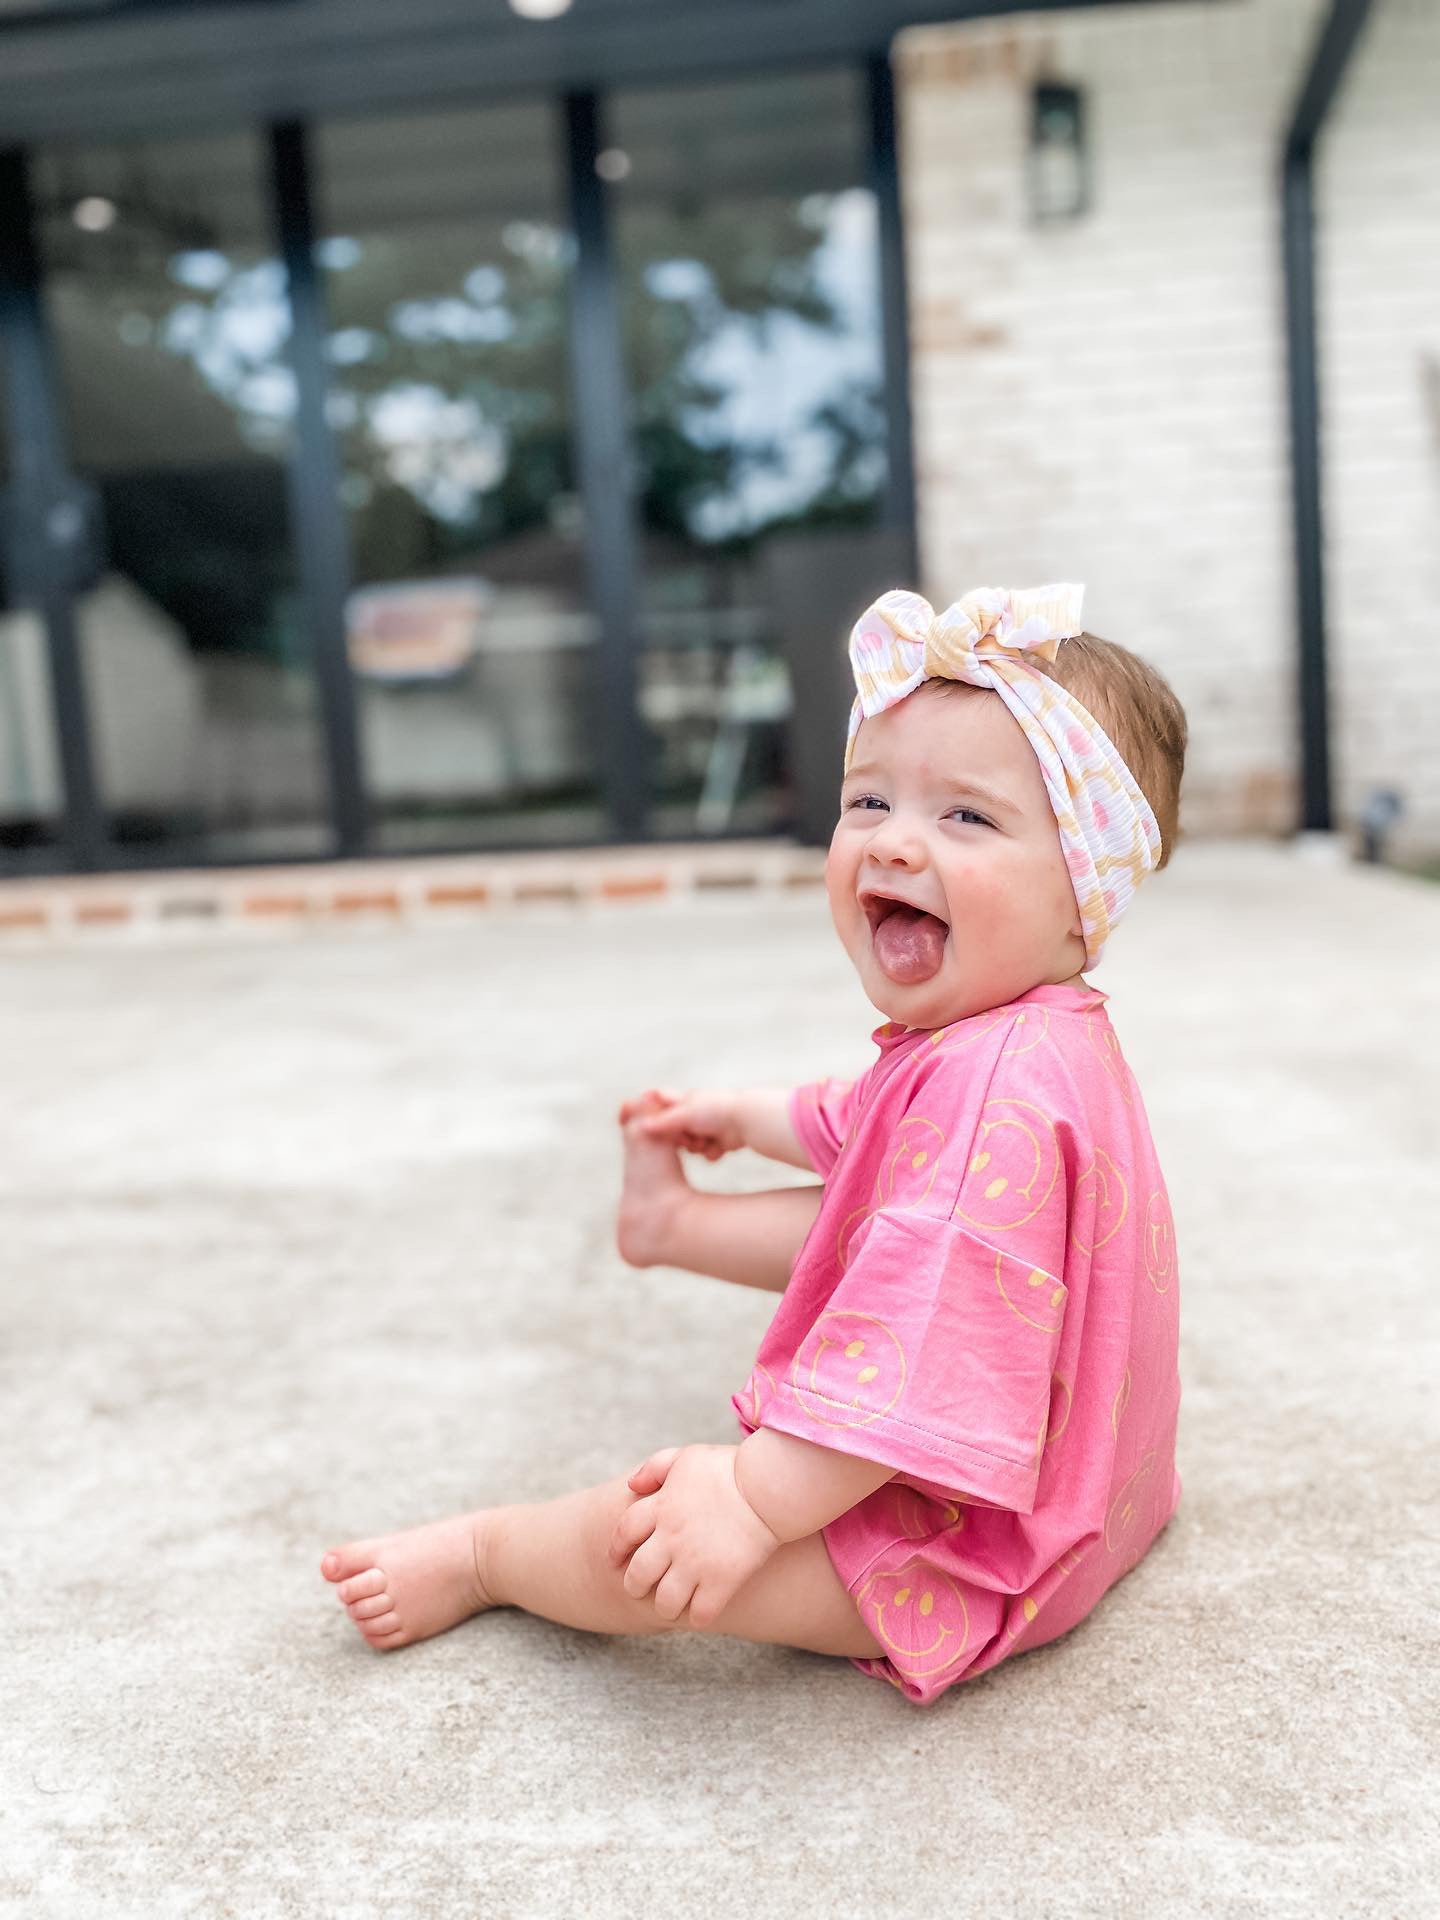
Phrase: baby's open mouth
pixel 909 942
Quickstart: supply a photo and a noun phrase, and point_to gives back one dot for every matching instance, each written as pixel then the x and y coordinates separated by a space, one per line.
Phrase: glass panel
pixel 170 319
pixel 447 262
pixel 31 804
pixel 747 243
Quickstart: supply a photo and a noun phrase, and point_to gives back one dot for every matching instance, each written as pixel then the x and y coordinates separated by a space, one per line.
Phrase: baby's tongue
pixel 910 944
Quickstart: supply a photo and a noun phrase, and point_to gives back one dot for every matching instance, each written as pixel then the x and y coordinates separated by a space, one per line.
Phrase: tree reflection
pixel 452 401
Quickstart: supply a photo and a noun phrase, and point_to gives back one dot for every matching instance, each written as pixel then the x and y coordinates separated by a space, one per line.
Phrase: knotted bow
pixel 1107 829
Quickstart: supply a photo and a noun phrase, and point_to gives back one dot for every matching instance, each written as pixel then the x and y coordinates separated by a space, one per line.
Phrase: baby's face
pixel 945 807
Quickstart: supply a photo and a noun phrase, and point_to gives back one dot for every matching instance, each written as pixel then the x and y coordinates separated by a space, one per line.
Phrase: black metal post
pixel 603 457
pixel 46 519
pixel 317 516
pixel 894 305
pixel 1332 54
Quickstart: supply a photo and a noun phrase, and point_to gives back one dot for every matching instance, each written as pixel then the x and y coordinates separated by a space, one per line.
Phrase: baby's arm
pixel 716 1122
pixel 763 1116
pixel 796 1487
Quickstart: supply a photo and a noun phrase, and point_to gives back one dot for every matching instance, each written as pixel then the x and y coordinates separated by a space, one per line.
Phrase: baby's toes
pixel 361 1586
pixel 381 1628
pixel 366 1610
pixel 342 1563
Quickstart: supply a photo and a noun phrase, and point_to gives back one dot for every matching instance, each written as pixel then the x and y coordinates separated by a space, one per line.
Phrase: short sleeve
pixel 933 1355
pixel 821 1112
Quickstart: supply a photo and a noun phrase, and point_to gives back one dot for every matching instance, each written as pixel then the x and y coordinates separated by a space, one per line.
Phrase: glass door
pixel 746 236
pixel 169 319
pixel 446 252
pixel 31 799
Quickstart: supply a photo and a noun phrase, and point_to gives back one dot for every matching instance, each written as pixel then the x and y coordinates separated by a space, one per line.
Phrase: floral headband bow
pixel 1107 829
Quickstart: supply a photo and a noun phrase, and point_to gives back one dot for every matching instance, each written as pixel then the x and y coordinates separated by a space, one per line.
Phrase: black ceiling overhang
pixel 87 68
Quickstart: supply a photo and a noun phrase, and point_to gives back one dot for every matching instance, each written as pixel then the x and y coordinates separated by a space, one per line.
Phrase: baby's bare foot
pixel 653 1187
pixel 409 1585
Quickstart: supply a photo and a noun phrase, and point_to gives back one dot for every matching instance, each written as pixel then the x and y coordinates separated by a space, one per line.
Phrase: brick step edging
pixel 231 899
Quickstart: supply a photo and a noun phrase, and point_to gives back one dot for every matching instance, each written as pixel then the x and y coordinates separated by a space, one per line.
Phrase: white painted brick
pixel 1378 275
pixel 1130 426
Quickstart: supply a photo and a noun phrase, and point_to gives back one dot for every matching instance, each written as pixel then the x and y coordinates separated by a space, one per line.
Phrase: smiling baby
pixel 959 1428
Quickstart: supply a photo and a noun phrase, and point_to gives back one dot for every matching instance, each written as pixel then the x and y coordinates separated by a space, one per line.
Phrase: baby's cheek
pixel 986 902
pixel 840 865
pixel 1050 884
pixel 1015 903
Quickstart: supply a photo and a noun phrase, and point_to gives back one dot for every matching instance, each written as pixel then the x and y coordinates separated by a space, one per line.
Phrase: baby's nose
pixel 898 840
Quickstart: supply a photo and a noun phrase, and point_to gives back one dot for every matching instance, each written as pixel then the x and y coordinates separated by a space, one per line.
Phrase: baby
pixel 960 1425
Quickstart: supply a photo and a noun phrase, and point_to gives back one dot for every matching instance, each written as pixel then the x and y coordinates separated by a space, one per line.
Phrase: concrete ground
pixel 309 1236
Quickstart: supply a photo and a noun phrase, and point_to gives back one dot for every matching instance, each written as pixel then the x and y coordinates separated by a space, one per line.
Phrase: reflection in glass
pixel 749 260
pixel 31 802
pixel 170 320
pixel 447 286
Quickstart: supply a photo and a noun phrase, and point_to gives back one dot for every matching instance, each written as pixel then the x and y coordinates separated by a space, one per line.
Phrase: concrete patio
pixel 309 1236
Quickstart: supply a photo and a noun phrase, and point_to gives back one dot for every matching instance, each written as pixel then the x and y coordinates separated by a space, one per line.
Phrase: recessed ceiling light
pixel 540 9
pixel 94 213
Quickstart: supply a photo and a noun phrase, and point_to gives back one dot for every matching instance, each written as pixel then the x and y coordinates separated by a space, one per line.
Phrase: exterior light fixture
pixel 1059 162
pixel 94 214
pixel 613 164
pixel 540 9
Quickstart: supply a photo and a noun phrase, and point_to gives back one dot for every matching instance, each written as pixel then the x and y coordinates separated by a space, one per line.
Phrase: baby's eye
pixel 973 815
pixel 861 799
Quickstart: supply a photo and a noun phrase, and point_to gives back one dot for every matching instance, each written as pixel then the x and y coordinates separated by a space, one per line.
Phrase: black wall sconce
pixel 1059 160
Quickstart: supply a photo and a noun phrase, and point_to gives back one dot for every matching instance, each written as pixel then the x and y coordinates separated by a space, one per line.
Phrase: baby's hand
pixel 696 1540
pixel 699 1122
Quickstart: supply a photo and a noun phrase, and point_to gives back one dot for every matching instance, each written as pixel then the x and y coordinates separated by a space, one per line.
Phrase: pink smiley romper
pixel 988 1303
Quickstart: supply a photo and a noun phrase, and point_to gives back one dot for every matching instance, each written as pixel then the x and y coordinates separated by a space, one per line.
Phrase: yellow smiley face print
pixel 1014 1164
pixel 1032 1295
pixel 918 1615
pixel 848 1370
pixel 906 1175
pixel 1119 1404
pixel 1059 1415
pixel 1122 1521
pixel 919 1516
pixel 758 1391
pixel 1102 1184
pixel 1159 1242
pixel 1106 1048
pixel 1031 1028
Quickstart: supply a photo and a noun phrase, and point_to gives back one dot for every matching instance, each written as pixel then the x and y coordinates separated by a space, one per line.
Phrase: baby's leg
pixel 750 1238
pixel 553 1560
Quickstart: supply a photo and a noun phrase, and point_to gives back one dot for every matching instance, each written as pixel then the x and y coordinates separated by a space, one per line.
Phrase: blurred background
pixel 474 425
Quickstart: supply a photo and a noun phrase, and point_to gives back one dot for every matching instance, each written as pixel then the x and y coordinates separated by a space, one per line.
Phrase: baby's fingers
pixel 669 1125
pixel 648 1564
pixel 639 1103
pixel 651 1473
pixel 634 1526
pixel 676 1592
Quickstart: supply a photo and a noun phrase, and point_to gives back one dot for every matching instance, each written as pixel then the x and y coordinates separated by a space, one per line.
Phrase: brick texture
pixel 1378 274
pixel 1105 399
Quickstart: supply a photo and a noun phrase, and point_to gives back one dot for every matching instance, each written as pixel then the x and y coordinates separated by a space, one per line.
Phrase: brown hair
pixel 1137 707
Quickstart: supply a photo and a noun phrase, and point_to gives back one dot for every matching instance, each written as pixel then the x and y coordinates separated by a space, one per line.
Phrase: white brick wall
pixel 1378 239
pixel 1106 400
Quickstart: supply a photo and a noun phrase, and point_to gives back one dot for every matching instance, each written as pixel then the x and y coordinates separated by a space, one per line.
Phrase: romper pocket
pixel 934 1354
